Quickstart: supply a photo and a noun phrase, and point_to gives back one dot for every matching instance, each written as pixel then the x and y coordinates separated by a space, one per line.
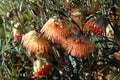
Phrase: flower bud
pixel 41 67
pixel 17 31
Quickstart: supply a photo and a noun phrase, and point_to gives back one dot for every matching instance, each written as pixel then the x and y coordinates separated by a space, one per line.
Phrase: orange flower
pixel 34 43
pixel 41 67
pixel 78 47
pixel 117 55
pixel 55 30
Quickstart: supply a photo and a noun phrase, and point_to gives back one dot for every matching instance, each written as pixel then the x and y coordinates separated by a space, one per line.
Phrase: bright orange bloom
pixel 78 48
pixel 55 30
pixel 41 68
pixel 34 43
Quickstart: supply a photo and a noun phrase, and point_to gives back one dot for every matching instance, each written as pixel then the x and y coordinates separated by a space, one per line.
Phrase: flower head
pixel 55 30
pixel 78 47
pixel 41 67
pixel 34 43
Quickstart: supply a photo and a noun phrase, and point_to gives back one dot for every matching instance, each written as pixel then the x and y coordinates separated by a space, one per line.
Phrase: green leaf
pixel 1 26
pixel 27 16
pixel 117 32
pixel 115 77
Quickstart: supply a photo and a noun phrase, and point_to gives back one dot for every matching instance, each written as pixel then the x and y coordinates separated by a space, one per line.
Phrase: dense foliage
pixel 89 50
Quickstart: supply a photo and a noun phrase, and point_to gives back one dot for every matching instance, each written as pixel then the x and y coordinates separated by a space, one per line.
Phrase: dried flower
pixel 34 43
pixel 55 30
pixel 78 47
pixel 41 67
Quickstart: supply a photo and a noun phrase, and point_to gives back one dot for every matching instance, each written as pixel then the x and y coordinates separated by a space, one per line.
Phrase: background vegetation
pixel 15 64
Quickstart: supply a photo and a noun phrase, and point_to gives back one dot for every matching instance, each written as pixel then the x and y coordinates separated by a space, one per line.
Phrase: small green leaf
pixel 117 32
pixel 1 26
pixel 27 16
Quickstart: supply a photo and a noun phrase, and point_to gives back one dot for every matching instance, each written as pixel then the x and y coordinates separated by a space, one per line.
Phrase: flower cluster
pixel 57 31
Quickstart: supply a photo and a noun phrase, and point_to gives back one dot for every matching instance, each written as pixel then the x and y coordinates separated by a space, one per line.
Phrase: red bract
pixel 93 28
pixel 16 37
pixel 41 67
pixel 43 72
